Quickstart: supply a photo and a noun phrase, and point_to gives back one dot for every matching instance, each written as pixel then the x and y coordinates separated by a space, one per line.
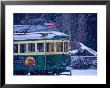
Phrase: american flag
pixel 50 25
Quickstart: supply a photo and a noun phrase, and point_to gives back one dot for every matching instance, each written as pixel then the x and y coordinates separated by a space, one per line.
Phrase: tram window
pixel 65 46
pixel 59 46
pixel 49 47
pixel 15 48
pixel 22 48
pixel 31 47
pixel 40 47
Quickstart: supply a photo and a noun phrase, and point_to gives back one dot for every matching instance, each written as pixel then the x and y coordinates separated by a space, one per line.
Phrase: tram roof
pixel 43 35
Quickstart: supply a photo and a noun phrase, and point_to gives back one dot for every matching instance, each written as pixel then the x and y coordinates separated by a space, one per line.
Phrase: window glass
pixel 15 48
pixel 65 46
pixel 40 47
pixel 59 46
pixel 31 47
pixel 49 47
pixel 22 48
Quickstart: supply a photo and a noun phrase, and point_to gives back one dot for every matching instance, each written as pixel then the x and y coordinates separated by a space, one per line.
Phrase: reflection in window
pixel 15 48
pixel 22 48
pixel 59 46
pixel 49 47
pixel 31 47
pixel 40 47
pixel 65 46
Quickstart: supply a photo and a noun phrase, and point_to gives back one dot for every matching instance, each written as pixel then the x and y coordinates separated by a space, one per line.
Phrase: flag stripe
pixel 50 25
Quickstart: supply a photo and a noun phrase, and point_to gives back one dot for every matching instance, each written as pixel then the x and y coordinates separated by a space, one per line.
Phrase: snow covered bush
pixel 84 62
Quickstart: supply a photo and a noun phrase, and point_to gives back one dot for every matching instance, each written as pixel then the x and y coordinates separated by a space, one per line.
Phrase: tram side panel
pixel 43 64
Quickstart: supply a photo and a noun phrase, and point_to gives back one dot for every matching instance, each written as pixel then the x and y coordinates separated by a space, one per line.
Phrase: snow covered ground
pixel 82 72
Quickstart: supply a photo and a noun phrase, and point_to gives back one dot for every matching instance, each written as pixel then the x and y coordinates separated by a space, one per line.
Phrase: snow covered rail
pixel 66 73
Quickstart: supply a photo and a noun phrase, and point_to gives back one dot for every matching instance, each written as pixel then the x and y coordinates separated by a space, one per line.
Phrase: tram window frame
pixel 42 47
pixel 31 48
pixel 22 48
pixel 15 51
pixel 58 49
pixel 50 47
pixel 66 47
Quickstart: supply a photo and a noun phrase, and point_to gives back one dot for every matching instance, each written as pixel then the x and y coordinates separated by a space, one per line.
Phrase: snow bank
pixel 84 72
pixel 88 49
pixel 83 47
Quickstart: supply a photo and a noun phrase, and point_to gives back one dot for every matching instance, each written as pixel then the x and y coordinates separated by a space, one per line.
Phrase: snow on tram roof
pixel 37 35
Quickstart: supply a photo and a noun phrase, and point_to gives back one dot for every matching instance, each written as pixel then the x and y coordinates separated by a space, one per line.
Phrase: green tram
pixel 41 53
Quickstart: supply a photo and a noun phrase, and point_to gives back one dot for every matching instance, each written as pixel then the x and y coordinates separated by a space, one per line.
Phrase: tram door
pixel 50 55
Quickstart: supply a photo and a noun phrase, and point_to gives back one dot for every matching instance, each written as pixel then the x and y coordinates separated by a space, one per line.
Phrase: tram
pixel 41 53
